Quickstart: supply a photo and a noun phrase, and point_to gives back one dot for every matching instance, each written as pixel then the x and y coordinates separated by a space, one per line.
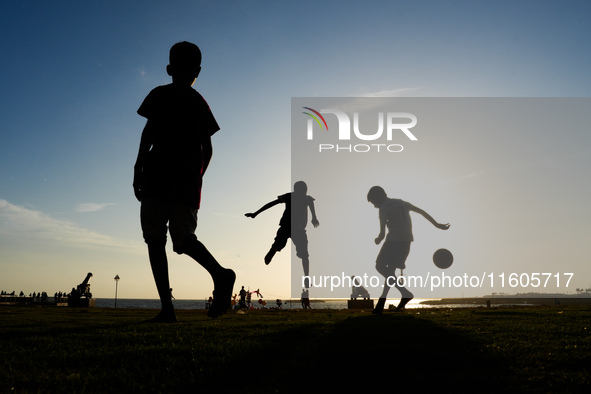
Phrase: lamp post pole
pixel 116 285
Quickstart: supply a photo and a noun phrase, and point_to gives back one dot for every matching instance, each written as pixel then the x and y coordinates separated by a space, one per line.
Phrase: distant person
pixel 297 204
pixel 248 299
pixel 174 153
pixel 358 291
pixel 242 301
pixel 306 299
pixel 394 214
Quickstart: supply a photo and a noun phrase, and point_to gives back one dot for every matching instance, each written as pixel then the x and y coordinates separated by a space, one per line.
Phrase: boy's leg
pixel 269 256
pixel 384 270
pixel 401 255
pixel 193 248
pixel 283 234
pixel 392 255
pixel 154 216
pixel 159 264
pixel 405 294
pixel 300 240
pixel 379 308
pixel 183 223
pixel 223 278
pixel 306 267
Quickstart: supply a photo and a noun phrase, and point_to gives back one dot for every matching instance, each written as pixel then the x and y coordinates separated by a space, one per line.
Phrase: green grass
pixel 517 349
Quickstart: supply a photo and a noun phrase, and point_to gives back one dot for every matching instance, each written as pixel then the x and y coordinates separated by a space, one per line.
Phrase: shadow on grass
pixel 260 352
pixel 369 354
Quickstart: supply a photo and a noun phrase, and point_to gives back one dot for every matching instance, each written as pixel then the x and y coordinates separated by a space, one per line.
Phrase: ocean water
pixel 201 304
pixel 293 304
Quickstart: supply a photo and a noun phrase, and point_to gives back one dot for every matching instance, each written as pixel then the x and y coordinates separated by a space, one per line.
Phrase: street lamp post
pixel 116 285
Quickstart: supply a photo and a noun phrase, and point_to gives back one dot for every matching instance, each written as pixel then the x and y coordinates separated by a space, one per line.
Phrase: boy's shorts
pixel 393 255
pixel 299 238
pixel 159 216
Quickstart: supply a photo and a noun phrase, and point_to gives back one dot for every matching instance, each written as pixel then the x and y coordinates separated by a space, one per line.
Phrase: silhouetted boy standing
pixel 394 214
pixel 175 150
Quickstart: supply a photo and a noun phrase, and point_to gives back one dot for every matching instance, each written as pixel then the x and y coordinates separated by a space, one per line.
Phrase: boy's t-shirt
pixel 395 214
pixel 173 168
pixel 296 208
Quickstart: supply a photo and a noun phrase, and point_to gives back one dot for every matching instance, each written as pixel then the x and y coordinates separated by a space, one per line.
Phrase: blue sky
pixel 74 73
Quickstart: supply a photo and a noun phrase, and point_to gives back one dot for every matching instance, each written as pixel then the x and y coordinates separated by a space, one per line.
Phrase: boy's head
pixel 376 196
pixel 184 62
pixel 300 187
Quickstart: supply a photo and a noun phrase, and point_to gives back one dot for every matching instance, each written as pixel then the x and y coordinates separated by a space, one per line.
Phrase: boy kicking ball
pixel 394 214
pixel 293 224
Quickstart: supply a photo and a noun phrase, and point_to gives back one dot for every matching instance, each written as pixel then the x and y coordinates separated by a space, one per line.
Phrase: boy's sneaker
pixel 222 294
pixel 379 308
pixel 403 303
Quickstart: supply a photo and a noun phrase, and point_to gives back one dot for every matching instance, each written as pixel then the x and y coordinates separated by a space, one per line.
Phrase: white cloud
pixel 33 225
pixel 372 100
pixel 91 206
pixel 402 92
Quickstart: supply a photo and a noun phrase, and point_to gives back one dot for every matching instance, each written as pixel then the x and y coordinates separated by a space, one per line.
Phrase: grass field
pixel 514 349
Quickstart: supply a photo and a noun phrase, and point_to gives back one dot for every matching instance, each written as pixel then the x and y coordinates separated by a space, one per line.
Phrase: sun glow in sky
pixel 74 74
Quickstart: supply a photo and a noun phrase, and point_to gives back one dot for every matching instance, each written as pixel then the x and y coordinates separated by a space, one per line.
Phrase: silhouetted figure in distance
pixel 394 214
pixel 174 153
pixel 358 291
pixel 293 223
pixel 305 299
pixel 242 298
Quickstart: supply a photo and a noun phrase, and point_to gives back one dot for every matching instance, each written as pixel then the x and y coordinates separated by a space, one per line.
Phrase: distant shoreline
pixel 512 300
pixel 495 299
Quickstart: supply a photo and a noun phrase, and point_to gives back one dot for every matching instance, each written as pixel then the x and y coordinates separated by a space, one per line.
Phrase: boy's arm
pixel 264 208
pixel 315 221
pixel 428 217
pixel 145 145
pixel 207 151
pixel 382 232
